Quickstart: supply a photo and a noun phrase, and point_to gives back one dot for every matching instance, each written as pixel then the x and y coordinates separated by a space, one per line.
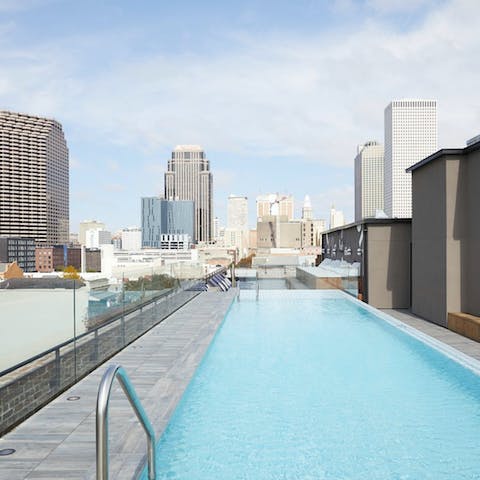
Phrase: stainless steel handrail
pixel 258 287
pixel 103 399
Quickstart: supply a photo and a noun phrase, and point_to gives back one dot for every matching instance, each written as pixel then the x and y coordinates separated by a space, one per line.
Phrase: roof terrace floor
pixel 58 442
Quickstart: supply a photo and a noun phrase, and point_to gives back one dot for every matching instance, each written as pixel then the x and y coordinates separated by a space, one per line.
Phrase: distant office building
pixel 410 136
pixel 216 228
pixel 165 217
pixel 312 233
pixel 307 210
pixel 369 180
pixel 189 178
pixel 117 241
pixel 73 239
pixel 34 178
pixel 276 231
pixel 56 258
pixel 131 238
pixel 237 212
pixel 237 239
pixel 20 250
pixel 93 260
pixel 170 241
pixel 252 239
pixel 275 204
pixel 74 257
pixel 88 225
pixel 337 218
pixel 311 228
pixel 94 237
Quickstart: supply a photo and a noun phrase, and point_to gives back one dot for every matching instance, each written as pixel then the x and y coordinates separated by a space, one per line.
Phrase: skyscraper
pixel 189 178
pixel 165 217
pixel 368 180
pixel 34 179
pixel 410 136
pixel 237 212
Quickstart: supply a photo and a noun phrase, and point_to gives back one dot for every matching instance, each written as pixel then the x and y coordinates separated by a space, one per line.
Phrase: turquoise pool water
pixel 316 387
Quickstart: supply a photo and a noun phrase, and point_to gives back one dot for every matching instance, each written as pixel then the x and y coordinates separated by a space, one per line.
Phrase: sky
pixel 279 93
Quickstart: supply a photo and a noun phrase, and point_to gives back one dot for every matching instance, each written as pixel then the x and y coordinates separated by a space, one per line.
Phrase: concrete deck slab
pixel 462 344
pixel 58 442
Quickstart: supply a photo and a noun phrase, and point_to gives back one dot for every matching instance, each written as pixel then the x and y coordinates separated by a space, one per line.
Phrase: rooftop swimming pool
pixel 313 385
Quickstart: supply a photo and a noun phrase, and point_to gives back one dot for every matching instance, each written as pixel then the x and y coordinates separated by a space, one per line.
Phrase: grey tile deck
pixel 58 442
pixel 460 343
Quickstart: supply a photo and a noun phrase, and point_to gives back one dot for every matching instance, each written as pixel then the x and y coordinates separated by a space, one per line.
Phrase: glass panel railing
pixel 55 335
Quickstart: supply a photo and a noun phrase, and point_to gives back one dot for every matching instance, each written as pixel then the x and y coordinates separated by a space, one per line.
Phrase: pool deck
pixel 58 442
pixel 463 344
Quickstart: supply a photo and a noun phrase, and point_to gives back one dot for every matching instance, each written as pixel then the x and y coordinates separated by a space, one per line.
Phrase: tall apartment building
pixel 189 178
pixel 165 217
pixel 410 136
pixel 369 180
pixel 34 178
pixel 275 204
pixel 237 212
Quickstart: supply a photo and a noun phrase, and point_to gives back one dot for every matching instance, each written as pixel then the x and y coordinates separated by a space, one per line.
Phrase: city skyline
pixel 255 109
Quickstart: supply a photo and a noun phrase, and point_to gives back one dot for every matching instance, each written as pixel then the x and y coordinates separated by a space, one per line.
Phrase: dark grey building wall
pixel 382 247
pixel 388 265
pixel 428 251
pixel 446 235
pixel 470 244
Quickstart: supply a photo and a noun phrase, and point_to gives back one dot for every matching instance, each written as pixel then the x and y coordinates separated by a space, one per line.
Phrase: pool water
pixel 317 387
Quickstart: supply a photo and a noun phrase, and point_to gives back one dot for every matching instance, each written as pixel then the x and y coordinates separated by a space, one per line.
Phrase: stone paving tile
pixel 460 343
pixel 58 442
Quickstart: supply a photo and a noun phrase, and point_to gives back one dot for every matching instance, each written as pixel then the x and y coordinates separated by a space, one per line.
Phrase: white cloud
pixel 312 97
pixel 75 163
pixel 399 6
pixel 114 187
pixel 113 165
pixel 338 196
pixel 21 5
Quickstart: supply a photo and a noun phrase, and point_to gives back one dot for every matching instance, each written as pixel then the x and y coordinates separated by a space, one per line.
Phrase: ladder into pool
pixel 103 400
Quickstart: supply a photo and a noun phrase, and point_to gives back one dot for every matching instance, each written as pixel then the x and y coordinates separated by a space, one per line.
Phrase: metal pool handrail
pixel 257 286
pixel 103 399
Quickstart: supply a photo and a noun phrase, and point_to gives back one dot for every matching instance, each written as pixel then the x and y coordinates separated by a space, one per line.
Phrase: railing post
pixel 95 346
pixel 55 382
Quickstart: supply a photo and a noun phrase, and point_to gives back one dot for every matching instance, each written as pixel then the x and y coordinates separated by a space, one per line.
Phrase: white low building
pixel 137 263
pixel 94 237
pixel 131 238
